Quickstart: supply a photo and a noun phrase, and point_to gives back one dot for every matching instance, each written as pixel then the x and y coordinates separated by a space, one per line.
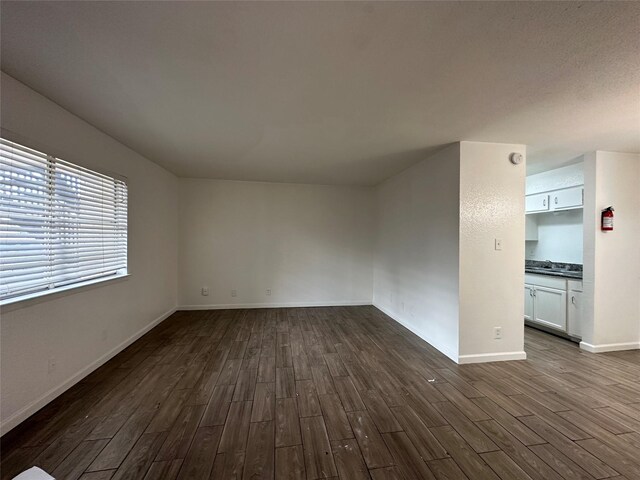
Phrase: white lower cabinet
pixel 528 302
pixel 574 308
pixel 554 302
pixel 550 307
pixel 574 314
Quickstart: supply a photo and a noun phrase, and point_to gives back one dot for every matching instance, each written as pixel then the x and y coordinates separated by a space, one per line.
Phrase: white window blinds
pixel 60 224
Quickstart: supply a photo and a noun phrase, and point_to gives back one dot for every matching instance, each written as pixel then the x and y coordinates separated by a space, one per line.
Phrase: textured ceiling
pixel 329 92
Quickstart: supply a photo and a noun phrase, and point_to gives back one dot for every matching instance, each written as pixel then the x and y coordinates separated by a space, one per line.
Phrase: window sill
pixel 31 298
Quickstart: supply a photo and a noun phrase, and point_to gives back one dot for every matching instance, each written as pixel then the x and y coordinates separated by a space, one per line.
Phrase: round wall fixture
pixel 516 158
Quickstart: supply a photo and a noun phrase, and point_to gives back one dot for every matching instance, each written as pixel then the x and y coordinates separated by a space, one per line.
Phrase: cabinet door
pixel 550 307
pixel 574 314
pixel 537 203
pixel 567 198
pixel 528 302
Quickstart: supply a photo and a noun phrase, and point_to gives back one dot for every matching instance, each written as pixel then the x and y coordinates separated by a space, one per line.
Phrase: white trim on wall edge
pixel 230 306
pixel 24 413
pixel 609 347
pixel 412 329
pixel 492 357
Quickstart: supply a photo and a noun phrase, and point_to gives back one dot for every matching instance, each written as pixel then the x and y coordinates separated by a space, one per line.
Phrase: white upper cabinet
pixel 567 198
pixel 554 190
pixel 537 203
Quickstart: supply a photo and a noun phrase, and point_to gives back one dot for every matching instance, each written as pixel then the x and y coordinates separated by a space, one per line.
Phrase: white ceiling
pixel 336 93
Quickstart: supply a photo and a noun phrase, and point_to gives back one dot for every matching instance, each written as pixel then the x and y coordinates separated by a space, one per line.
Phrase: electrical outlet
pixel 498 244
pixel 234 293
pixel 51 365
pixel 268 291
pixel 497 333
pixel 205 291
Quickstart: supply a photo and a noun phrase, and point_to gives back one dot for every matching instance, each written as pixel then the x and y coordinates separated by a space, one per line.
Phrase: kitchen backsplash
pixel 559 237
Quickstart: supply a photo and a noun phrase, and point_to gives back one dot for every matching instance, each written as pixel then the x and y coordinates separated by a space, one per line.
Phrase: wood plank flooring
pixel 336 392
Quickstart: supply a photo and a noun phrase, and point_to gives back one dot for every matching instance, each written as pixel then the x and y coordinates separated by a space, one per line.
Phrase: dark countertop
pixel 553 269
pixel 553 273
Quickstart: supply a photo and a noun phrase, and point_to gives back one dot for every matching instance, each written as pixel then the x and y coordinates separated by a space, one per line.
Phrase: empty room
pixel 319 239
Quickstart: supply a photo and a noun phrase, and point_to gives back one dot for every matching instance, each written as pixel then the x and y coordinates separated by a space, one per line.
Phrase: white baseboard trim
pixel 24 413
pixel 231 306
pixel 609 347
pixel 460 359
pixel 453 356
pixel 492 357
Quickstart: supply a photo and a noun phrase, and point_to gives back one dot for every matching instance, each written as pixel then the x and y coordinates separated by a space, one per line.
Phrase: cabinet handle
pixel 573 299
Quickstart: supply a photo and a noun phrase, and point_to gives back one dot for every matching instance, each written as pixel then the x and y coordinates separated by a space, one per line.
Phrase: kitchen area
pixel 553 293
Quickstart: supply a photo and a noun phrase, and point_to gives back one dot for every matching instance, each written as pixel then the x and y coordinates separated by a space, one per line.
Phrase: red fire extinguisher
pixel 606 223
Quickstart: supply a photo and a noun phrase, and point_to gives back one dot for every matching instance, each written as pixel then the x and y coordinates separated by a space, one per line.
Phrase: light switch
pixel 498 244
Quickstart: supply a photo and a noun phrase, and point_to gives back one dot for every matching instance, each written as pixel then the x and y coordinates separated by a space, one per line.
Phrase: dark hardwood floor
pixel 342 392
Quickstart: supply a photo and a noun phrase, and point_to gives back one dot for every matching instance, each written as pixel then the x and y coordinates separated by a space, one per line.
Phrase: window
pixel 60 224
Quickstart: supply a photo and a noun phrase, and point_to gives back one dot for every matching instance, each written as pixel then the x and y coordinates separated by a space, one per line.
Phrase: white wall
pixel 82 328
pixel 612 259
pixel 491 282
pixel 309 244
pixel 560 237
pixel 436 270
pixel 563 177
pixel 416 262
